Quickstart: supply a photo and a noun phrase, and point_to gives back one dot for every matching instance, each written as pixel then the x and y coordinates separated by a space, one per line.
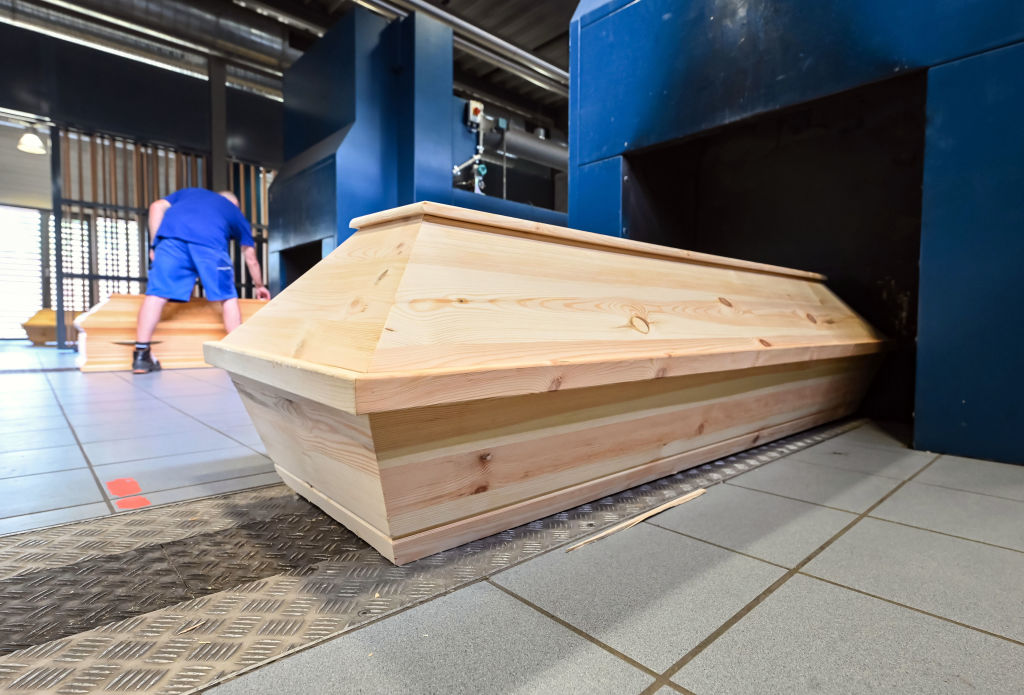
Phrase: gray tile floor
pixel 75 446
pixel 855 566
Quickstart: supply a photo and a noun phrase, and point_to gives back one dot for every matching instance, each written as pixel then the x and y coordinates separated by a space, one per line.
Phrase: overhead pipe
pixel 481 44
pixel 223 29
pixel 486 39
pixel 136 43
pixel 519 143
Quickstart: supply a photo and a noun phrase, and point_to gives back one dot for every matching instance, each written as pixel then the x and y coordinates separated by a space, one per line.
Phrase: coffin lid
pixel 430 304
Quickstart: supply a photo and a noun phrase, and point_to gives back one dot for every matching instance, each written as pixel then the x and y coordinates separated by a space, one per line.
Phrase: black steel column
pixel 56 185
pixel 216 166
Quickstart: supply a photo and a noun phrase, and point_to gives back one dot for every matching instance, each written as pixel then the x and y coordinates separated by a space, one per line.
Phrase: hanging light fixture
pixel 31 143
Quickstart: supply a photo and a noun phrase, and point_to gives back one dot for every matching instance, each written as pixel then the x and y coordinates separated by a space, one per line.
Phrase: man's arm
pixel 253 264
pixel 156 215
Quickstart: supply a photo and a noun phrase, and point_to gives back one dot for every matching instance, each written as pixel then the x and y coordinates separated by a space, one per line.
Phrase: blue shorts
pixel 176 265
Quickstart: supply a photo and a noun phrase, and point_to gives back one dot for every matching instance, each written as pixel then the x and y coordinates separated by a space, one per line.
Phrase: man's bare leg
pixel 232 313
pixel 149 316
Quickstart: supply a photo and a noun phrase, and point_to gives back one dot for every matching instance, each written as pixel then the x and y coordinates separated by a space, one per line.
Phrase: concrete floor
pixel 76 446
pixel 853 566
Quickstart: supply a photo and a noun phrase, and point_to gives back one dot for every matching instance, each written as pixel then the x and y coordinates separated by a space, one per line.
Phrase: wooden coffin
pixel 446 374
pixel 42 327
pixel 107 332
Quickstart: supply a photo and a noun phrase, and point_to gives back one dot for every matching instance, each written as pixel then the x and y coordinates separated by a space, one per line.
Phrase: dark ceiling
pixel 539 27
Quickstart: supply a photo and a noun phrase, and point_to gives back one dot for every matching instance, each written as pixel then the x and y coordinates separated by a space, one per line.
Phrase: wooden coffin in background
pixel 42 327
pixel 446 374
pixel 107 332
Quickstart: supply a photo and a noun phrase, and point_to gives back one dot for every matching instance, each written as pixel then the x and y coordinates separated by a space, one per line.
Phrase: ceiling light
pixel 31 142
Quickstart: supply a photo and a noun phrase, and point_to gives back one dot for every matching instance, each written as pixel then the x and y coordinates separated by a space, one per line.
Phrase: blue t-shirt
pixel 203 217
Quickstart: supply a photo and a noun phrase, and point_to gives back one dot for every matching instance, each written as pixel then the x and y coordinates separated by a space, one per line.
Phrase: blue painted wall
pixel 647 72
pixel 650 73
pixel 370 124
pixel 971 314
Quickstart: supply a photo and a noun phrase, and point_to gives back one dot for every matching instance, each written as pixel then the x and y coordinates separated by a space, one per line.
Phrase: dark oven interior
pixel 832 185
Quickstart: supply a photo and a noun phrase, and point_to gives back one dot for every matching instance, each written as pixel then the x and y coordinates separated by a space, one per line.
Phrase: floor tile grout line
pixel 32 475
pixel 211 482
pixel 330 638
pixel 794 499
pixel 103 493
pixel 47 511
pixel 913 608
pixel 716 545
pixel 183 453
pixel 943 533
pixel 575 630
pixel 128 512
pixel 171 405
pixel 796 457
pixel 778 583
pixel 973 492
pixel 397 611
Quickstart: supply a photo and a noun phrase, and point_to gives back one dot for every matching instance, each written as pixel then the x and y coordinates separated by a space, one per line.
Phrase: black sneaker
pixel 143 362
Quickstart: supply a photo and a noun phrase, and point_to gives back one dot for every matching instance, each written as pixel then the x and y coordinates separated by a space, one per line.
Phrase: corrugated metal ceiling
pixel 538 26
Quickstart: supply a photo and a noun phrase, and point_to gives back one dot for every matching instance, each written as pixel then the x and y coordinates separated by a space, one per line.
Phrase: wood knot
pixel 764 342
pixel 640 323
pixel 381 276
pixel 479 489
pixel 461 300
pixel 700 428
pixel 484 458
pixel 725 301
pixel 810 317
pixel 830 321
pixel 555 384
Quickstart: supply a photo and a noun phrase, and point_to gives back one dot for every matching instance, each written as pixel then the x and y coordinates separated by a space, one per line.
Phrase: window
pixel 21 290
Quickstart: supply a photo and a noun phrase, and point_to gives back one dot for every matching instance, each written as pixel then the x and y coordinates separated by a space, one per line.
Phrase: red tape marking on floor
pixel 132 502
pixel 122 487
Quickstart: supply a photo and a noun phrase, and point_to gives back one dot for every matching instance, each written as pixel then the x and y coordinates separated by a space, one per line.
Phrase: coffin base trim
pixel 405 549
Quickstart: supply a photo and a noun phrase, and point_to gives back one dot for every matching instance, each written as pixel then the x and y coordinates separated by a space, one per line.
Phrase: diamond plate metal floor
pixel 174 599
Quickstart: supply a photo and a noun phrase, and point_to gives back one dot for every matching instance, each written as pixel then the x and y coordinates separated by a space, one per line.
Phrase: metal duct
pixel 486 40
pixel 224 28
pixel 120 42
pixel 481 44
pixel 520 143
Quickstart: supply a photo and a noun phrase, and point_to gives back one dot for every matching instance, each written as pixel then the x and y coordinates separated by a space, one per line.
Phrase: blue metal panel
pixel 297 211
pixel 595 198
pixel 425 144
pixel 366 159
pixel 316 107
pixel 657 70
pixel 970 374
pixel 511 208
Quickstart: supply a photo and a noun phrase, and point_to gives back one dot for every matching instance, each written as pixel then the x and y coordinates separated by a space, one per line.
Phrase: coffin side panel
pixel 444 463
pixel 438 538
pixel 334 314
pixel 328 450
pixel 41 328
pixel 108 332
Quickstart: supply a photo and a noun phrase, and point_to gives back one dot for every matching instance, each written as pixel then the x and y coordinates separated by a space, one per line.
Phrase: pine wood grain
pixel 107 332
pixel 446 374
pixel 41 328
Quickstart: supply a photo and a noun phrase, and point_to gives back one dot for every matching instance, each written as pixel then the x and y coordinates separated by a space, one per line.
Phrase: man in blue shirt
pixel 189 233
